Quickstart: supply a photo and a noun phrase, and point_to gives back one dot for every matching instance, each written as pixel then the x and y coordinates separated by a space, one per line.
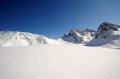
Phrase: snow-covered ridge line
pixel 107 30
pixel 15 38
pixel 79 35
pixel 107 34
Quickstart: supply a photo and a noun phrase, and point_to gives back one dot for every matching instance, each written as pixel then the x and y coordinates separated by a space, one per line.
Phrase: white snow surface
pixel 59 62
pixel 15 38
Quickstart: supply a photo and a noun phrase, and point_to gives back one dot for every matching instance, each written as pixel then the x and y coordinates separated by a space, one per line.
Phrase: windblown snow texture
pixel 12 38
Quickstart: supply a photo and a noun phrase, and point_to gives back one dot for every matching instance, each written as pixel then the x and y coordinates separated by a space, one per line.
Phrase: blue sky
pixel 54 17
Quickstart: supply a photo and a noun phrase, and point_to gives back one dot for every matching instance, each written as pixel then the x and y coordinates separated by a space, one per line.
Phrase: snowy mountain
pixel 64 60
pixel 79 35
pixel 108 34
pixel 14 38
pixel 108 31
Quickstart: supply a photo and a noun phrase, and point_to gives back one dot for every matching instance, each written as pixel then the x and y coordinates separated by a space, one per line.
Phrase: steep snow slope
pixel 79 35
pixel 59 62
pixel 12 38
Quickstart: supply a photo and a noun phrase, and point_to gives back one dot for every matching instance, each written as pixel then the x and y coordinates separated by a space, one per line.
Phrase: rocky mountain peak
pixel 106 30
pixel 79 35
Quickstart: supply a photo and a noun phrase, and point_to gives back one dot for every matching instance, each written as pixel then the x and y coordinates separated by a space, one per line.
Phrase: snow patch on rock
pixel 79 36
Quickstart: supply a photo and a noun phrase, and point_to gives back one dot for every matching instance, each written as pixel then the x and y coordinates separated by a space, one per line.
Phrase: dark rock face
pixel 78 36
pixel 105 29
pixel 108 35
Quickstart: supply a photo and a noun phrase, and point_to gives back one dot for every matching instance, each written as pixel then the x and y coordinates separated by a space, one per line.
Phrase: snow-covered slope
pixel 79 36
pixel 12 38
pixel 108 31
pixel 108 34
pixel 59 62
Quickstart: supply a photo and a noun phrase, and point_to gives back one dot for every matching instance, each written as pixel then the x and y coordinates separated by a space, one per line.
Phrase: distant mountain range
pixel 106 34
